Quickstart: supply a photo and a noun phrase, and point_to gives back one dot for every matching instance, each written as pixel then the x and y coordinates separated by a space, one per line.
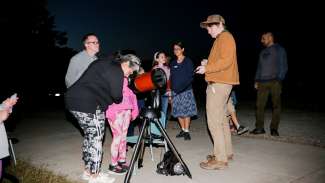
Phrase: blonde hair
pixel 134 61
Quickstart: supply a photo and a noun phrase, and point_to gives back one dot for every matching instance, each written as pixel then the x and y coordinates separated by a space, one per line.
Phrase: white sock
pixel 186 130
pixel 183 129
pixel 121 162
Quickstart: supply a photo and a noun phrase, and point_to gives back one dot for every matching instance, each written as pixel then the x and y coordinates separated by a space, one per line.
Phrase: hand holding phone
pixel 11 101
pixel 14 96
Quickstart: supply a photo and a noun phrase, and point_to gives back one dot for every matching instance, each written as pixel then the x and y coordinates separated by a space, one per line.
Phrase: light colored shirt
pixel 4 147
pixel 77 66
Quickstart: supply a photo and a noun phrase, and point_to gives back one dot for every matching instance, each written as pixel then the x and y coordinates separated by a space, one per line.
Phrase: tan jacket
pixel 222 62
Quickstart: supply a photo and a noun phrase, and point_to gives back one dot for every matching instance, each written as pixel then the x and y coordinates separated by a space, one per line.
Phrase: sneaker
pixel 187 136
pixel 101 178
pixel 181 134
pixel 123 165
pixel 241 130
pixel 116 170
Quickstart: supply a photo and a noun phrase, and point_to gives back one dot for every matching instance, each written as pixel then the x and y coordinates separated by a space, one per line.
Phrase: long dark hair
pixel 180 44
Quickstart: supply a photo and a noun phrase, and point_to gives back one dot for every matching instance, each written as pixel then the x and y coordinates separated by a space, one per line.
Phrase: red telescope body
pixel 151 80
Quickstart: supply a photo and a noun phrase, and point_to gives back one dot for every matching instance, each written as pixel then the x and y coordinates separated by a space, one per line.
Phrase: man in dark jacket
pixel 271 70
pixel 87 99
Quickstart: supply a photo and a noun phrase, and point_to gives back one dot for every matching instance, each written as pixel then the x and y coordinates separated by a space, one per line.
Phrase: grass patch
pixel 26 173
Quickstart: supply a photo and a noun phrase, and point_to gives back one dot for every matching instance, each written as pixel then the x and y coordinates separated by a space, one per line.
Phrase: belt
pixel 211 82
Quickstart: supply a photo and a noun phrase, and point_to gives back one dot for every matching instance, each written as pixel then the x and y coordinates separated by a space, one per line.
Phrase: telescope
pixel 154 79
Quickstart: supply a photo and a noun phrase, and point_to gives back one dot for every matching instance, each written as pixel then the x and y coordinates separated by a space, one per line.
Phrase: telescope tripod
pixel 148 116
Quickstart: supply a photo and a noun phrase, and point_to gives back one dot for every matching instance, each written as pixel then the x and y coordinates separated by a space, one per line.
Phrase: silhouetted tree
pixel 34 55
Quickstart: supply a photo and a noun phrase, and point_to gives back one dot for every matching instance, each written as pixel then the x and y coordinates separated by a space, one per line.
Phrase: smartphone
pixel 14 96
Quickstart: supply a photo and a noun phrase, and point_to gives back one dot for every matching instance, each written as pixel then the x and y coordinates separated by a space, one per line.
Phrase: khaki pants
pixel 216 108
pixel 230 107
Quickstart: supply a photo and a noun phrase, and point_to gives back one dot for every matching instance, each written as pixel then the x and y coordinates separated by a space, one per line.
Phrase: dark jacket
pixel 272 64
pixel 181 75
pixel 100 85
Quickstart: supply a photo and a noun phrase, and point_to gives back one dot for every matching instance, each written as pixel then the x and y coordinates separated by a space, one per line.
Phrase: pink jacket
pixel 129 102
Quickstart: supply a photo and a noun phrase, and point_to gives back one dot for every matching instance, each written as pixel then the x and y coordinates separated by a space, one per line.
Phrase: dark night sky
pixel 147 26
pixel 144 26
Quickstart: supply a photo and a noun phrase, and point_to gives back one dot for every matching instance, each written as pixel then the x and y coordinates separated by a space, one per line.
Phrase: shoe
pixel 123 165
pixel 241 130
pixel 213 157
pixel 274 132
pixel 101 178
pixel 257 131
pixel 209 157
pixel 187 136
pixel 116 170
pixel 181 134
pixel 214 165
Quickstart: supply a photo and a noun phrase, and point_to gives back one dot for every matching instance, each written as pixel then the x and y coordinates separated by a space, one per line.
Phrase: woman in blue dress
pixel 183 101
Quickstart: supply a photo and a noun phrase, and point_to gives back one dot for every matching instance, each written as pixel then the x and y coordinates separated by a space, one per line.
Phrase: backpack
pixel 170 165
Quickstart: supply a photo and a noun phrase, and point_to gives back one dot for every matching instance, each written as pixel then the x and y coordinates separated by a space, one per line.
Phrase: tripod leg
pixel 172 147
pixel 135 154
pixel 142 146
pixel 12 152
pixel 150 141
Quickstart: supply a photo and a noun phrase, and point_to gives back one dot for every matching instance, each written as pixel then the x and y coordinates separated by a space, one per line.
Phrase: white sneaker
pixel 101 178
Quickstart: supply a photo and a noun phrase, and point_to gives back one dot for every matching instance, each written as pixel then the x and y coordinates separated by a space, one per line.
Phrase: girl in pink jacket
pixel 119 117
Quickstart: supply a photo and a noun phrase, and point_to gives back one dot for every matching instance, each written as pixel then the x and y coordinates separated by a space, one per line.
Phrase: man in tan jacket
pixel 221 73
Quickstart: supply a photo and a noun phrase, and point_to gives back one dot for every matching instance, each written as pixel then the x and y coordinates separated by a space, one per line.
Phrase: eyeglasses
pixel 93 42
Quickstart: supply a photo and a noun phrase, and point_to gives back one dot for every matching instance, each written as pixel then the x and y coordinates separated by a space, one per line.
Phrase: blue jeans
pixel 164 105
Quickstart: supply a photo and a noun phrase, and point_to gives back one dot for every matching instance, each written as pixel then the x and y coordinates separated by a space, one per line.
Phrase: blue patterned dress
pixel 184 104
pixel 183 100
